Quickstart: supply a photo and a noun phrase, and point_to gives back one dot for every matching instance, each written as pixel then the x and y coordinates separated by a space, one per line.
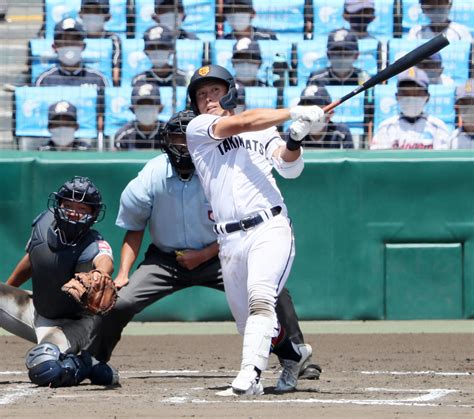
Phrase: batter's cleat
pixel 247 383
pixel 291 369
pixel 309 371
pixel 102 374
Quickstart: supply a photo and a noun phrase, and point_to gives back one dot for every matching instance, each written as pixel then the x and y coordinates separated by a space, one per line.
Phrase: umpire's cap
pixel 213 73
pixel 69 25
pixel 315 95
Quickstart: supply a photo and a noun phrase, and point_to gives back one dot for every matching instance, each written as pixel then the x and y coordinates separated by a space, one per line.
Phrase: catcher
pixel 59 313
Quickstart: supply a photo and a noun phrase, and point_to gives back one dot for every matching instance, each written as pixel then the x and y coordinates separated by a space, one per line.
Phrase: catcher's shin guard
pixel 47 366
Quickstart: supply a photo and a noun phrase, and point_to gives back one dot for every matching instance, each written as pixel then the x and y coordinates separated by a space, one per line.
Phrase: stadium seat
pixel 312 55
pixel 56 10
pixel 440 105
pixel 462 11
pixel 221 54
pixel 350 112
pixel 117 106
pixel 200 17
pixel 31 109
pixel 456 57
pixel 328 16
pixel 97 55
pixel 261 97
pixel 134 61
pixel 285 18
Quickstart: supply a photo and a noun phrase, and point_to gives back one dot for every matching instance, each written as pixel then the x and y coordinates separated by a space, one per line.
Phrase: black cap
pixel 159 35
pixel 245 48
pixel 146 91
pixel 169 5
pixel 236 6
pixel 315 95
pixel 342 39
pixel 103 4
pixel 62 108
pixel 69 25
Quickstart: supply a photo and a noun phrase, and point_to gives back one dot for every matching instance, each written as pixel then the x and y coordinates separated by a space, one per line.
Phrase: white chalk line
pixel 440 373
pixel 11 394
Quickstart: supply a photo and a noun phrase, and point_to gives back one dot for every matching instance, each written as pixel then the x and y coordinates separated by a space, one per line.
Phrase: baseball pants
pixel 19 317
pixel 160 275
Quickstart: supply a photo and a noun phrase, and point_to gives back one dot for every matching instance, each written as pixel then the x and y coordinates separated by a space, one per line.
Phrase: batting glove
pixel 307 113
pixel 299 129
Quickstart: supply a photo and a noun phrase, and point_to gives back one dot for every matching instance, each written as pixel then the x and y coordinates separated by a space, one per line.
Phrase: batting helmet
pixel 213 73
pixel 174 143
pixel 78 189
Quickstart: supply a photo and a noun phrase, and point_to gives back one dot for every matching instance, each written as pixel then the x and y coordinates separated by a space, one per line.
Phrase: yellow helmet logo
pixel 204 71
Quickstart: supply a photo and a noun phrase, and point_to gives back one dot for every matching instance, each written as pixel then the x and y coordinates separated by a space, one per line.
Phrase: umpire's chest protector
pixel 53 264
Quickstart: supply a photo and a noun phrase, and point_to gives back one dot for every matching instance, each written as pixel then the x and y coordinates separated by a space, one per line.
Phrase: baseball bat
pixel 409 60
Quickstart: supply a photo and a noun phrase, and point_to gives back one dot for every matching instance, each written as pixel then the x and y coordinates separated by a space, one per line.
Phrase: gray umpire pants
pixel 160 275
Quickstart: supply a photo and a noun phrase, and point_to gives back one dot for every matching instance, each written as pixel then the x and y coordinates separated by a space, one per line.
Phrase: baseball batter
pixel 61 244
pixel 234 156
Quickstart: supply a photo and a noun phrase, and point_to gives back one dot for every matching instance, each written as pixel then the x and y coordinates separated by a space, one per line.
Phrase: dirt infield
pixel 364 376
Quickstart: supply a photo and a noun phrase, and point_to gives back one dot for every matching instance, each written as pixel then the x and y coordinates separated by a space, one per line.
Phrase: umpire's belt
pixel 248 222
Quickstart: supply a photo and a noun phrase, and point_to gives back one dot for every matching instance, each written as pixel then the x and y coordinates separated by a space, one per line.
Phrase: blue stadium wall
pixel 379 235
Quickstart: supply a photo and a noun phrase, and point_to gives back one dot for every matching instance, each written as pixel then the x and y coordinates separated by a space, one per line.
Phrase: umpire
pixel 168 195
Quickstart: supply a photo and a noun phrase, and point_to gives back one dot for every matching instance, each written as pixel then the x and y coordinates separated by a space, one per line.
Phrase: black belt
pixel 246 223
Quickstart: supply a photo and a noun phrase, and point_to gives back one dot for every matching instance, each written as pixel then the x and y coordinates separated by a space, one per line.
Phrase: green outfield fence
pixel 379 235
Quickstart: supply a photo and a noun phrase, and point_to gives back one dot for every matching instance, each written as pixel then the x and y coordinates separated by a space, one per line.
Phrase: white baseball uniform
pixel 454 32
pixel 236 176
pixel 460 139
pixel 397 132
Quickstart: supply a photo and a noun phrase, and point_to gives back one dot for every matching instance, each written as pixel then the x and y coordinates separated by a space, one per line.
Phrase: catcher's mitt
pixel 94 290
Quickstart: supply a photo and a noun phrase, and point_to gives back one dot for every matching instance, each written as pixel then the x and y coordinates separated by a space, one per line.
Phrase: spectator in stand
pixel 246 60
pixel 239 15
pixel 412 128
pixel 145 131
pixel 342 51
pixel 94 15
pixel 68 44
pixel 463 136
pixel 165 15
pixel 359 14
pixel 159 47
pixel 62 124
pixel 437 11
pixel 330 134
pixel 433 67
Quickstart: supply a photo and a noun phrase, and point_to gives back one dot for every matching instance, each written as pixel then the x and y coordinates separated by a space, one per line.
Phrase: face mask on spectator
pixel 62 136
pixel 412 106
pixel 437 14
pixel 69 55
pixel 341 64
pixel 467 114
pixel 93 23
pixel 146 114
pixel 239 21
pixel 159 58
pixel 246 71
pixel 170 20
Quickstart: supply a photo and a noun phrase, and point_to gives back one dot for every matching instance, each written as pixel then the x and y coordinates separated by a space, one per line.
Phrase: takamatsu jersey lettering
pixel 236 172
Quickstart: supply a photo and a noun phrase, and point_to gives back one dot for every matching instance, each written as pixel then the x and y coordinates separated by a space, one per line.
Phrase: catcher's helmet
pixel 209 73
pixel 174 143
pixel 78 189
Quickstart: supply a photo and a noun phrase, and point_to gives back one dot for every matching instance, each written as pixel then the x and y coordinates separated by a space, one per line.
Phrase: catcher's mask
pixel 174 143
pixel 71 224
pixel 212 73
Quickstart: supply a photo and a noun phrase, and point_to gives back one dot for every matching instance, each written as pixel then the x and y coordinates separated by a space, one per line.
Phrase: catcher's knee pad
pixel 47 366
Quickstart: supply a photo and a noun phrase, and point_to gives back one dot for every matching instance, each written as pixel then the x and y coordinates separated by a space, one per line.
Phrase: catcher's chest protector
pixel 52 266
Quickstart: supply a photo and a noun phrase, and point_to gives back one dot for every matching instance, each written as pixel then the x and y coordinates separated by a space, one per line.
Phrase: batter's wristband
pixel 293 145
